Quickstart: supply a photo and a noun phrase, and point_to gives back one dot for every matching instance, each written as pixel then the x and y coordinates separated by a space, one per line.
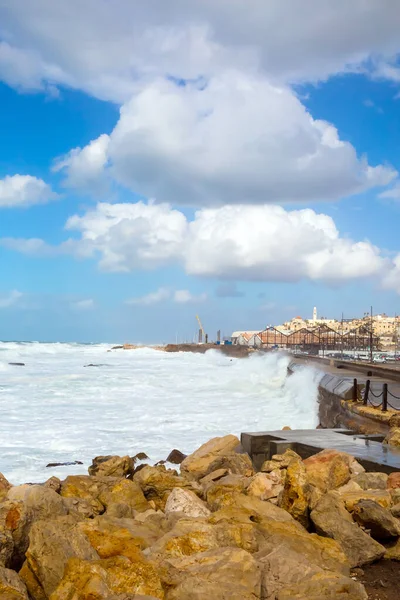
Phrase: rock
pixel 235 464
pixel 315 549
pixel 219 493
pixel 54 484
pixel 127 493
pixel 296 492
pixel 187 537
pixel 355 467
pixel 176 457
pixel 325 586
pixel 371 481
pixel 284 570
pixel 51 544
pixel 4 487
pixel 332 519
pixel 17 364
pixel 328 469
pixel 393 437
pixel 88 488
pixel 286 428
pixel 197 464
pixel 382 497
pixel 350 486
pixel 218 574
pixel 395 510
pixel 79 508
pixel 124 537
pixel 158 482
pixel 213 476
pixel 186 502
pixel 6 545
pixel 11 586
pixel 64 464
pixel 256 508
pixel 99 579
pixel 112 466
pixel 392 550
pixel 266 485
pixel 140 456
pixel 378 520
pixel 393 481
pixel 279 461
pixel 25 505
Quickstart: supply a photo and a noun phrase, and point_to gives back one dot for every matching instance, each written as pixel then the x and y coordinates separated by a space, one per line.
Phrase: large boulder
pixel 112 466
pixel 296 492
pixel 25 505
pixel 4 487
pixel 127 495
pixel 188 536
pixel 372 481
pixel 381 497
pixel 186 502
pixel 393 481
pixel 323 552
pixel 101 579
pixel 258 509
pixel 329 469
pixel 234 463
pixel 393 437
pixel 331 519
pixel 324 586
pixel 124 537
pixel 218 574
pixel 197 464
pixel 287 571
pixel 266 486
pixel 11 586
pixel 378 520
pixel 158 482
pixel 51 544
pixel 219 493
pixel 88 488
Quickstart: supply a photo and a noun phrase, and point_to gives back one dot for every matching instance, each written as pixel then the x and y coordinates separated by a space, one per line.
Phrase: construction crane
pixel 201 328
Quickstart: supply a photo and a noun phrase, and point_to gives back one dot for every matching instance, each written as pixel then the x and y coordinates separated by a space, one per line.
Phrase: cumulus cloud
pixel 239 139
pixel 393 192
pixel 83 304
pixel 231 243
pixel 10 299
pixel 85 166
pixel 105 47
pixel 24 190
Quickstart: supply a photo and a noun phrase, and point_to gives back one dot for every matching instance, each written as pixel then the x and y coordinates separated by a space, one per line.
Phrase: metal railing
pixel 369 397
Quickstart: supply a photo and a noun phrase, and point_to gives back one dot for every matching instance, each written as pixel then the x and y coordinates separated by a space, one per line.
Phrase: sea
pixel 58 408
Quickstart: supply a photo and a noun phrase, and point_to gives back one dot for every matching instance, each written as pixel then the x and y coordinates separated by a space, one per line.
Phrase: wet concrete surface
pixel 368 450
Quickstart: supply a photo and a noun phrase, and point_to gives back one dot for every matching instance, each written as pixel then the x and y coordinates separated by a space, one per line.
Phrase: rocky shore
pixel 215 530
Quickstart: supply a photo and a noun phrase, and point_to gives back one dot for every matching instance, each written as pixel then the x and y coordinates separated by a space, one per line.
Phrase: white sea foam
pixel 54 409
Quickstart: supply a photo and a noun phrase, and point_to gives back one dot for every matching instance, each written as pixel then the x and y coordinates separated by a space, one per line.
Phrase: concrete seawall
pixel 337 408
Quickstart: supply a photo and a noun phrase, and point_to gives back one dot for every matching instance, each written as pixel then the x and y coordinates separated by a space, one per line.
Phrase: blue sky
pixel 132 197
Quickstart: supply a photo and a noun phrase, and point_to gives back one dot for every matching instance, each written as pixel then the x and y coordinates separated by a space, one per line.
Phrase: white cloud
pixel 186 297
pixel 141 236
pixel 85 166
pixel 10 299
pixel 24 190
pixel 83 304
pixel 393 192
pixel 163 294
pixel 238 140
pixel 258 243
pixel 104 48
pixel 160 295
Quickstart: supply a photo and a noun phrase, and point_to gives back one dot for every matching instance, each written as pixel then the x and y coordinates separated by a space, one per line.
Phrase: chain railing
pixel 369 396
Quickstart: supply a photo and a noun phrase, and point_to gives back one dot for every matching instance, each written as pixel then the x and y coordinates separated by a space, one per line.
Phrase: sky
pixel 237 159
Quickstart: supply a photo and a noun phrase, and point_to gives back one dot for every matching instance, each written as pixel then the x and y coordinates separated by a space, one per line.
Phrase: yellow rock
pixel 158 482
pixel 382 497
pixel 197 464
pixel 217 574
pixel 11 586
pixel 219 493
pixel 112 466
pixel 257 509
pixel 393 550
pixel 88 488
pixel 393 437
pixel 125 492
pixel 98 580
pixel 296 492
pixel 4 487
pixel 325 586
pixel 328 469
pixel 266 485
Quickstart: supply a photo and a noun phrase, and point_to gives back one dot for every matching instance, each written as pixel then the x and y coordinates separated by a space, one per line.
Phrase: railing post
pixel 366 391
pixel 355 390
pixel 385 397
